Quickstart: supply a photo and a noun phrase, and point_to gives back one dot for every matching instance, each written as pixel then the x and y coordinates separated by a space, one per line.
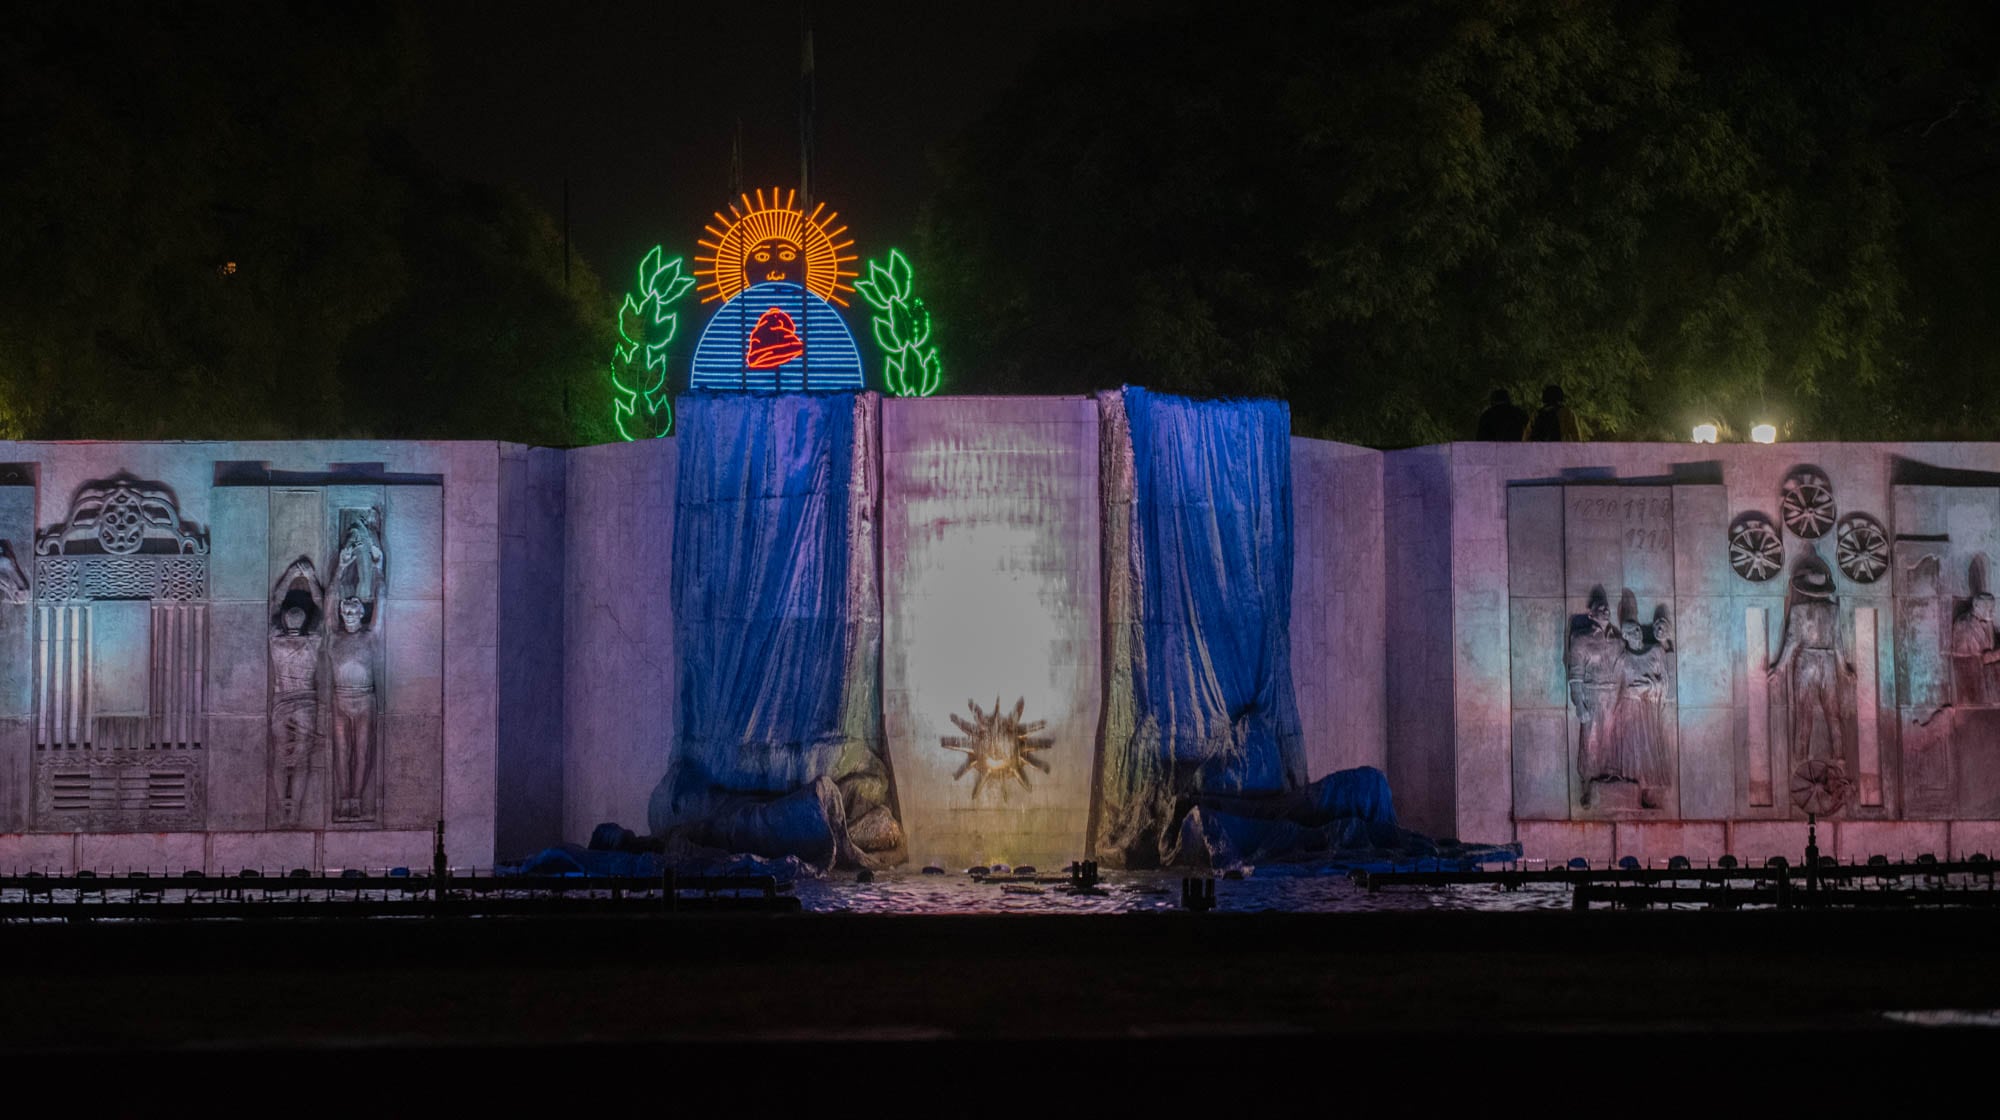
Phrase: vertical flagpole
pixel 736 162
pixel 805 106
pixel 805 179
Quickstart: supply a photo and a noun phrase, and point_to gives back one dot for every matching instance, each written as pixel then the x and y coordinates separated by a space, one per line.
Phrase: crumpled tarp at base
pixel 776 649
pixel 1199 530
pixel 1346 819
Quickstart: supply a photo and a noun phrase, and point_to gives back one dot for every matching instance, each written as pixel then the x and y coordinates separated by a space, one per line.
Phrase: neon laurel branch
pixel 641 407
pixel 910 363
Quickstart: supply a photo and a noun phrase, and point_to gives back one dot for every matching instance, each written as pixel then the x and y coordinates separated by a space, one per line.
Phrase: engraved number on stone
pixel 1754 548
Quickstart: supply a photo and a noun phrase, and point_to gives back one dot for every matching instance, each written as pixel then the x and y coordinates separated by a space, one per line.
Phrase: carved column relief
pixel 1756 669
pixel 1867 696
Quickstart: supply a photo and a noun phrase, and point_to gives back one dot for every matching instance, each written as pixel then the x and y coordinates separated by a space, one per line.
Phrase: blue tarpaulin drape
pixel 1207 606
pixel 760 592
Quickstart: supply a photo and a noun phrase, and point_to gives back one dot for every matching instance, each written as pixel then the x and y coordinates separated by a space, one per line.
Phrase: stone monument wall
pixel 992 588
pixel 1804 617
pixel 227 655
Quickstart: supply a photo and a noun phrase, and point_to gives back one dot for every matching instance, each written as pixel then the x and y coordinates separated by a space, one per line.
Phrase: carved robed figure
pixel 1810 664
pixel 1618 682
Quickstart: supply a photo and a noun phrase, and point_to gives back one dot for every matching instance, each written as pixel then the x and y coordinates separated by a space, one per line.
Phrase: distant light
pixel 226 268
pixel 1764 433
pixel 1704 433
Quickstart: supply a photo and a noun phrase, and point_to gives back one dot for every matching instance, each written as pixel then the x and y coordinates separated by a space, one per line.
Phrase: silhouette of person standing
pixel 1554 422
pixel 1503 421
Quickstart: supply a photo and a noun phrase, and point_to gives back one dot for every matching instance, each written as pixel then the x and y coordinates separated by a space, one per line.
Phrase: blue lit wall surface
pixel 831 361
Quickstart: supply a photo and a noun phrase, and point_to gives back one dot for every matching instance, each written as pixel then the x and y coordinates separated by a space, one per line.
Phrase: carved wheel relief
pixel 1806 503
pixel 1820 786
pixel 1862 548
pixel 1755 550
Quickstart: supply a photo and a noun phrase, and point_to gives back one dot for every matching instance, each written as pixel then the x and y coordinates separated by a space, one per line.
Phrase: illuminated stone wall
pixel 524 670
pixel 620 678
pixel 992 595
pixel 1533 530
pixel 992 588
pixel 1338 605
pixel 180 686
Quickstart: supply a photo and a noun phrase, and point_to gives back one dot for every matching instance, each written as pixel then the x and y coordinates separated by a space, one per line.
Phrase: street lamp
pixel 1764 433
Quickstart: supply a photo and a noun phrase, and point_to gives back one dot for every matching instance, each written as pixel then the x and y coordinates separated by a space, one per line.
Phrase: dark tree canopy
pixel 1382 210
pixel 210 227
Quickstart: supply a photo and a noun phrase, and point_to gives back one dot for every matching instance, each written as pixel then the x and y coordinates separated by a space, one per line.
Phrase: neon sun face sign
pixel 780 276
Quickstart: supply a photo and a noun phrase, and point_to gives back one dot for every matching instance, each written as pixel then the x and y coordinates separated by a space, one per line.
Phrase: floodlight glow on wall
pixel 1764 433
pixel 1704 433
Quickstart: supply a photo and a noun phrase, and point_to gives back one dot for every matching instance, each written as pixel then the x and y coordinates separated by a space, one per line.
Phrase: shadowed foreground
pixel 1136 1004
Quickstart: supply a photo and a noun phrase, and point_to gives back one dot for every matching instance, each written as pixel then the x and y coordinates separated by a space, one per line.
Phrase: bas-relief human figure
pixel 351 656
pixel 1810 662
pixel 1618 682
pixel 296 638
pixel 13 581
pixel 357 572
pixel 1972 631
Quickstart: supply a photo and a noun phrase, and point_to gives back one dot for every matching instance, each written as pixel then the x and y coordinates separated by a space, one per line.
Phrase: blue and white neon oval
pixel 829 362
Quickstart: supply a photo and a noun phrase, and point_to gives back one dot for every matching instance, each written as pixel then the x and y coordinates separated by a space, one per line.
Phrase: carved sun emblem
pixel 997 746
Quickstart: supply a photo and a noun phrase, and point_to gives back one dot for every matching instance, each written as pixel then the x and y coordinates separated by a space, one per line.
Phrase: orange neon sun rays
pixel 720 264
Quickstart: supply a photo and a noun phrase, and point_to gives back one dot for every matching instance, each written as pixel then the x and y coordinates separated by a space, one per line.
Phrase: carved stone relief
pixel 1756 552
pixel 997 746
pixel 1806 503
pixel 1618 682
pixel 1811 665
pixel 120 663
pixel 354 658
pixel 298 632
pixel 1862 547
pixel 13 581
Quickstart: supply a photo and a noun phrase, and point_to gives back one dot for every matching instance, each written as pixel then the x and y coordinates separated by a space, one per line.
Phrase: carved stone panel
pixel 1618 650
pixel 120 663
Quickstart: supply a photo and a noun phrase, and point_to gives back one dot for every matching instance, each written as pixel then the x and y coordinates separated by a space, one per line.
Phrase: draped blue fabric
pixel 1212 567
pixel 760 592
pixel 1198 693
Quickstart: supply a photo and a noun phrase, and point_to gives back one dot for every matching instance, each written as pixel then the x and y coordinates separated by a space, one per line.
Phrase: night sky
pixel 636 104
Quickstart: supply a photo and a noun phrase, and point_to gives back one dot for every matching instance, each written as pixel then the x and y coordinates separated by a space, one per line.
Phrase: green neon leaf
pixel 641 406
pixel 933 374
pixel 885 333
pixel 622 389
pixel 881 286
pixel 650 268
pixel 631 328
pixel 674 289
pixel 899 272
pixel 903 325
